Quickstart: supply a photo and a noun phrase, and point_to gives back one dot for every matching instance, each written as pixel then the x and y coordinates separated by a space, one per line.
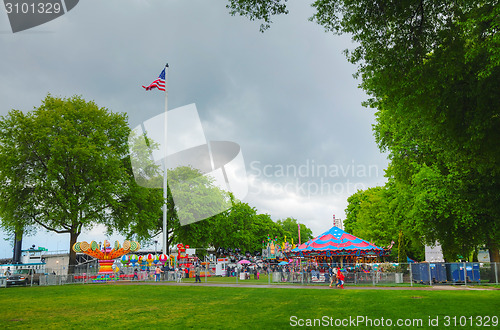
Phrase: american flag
pixel 158 83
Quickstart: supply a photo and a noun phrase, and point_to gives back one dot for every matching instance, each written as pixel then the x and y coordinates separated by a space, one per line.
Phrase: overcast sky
pixel 286 96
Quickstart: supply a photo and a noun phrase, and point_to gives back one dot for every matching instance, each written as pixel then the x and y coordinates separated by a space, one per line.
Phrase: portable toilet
pixel 438 272
pixel 420 272
pixel 472 269
pixel 456 272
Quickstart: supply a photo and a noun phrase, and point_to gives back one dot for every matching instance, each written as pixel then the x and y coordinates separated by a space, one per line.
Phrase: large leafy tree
pixel 353 208
pixel 374 215
pixel 291 229
pixel 238 227
pixel 373 221
pixel 440 122
pixel 149 177
pixel 230 223
pixel 191 212
pixel 192 198
pixel 64 167
pixel 432 71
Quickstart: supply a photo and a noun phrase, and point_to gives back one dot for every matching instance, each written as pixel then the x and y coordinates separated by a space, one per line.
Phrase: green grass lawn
pixel 160 306
pixel 264 280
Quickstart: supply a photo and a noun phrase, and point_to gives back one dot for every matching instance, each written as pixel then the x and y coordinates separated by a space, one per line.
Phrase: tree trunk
pixel 72 254
pixel 494 258
pixel 18 240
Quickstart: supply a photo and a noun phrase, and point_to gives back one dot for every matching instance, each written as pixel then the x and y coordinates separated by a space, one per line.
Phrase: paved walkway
pixel 316 287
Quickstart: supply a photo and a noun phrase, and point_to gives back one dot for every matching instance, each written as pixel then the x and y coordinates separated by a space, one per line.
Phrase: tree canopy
pixel 291 230
pixel 373 215
pixel 67 166
pixel 64 167
pixel 431 69
pixel 239 227
pixel 231 224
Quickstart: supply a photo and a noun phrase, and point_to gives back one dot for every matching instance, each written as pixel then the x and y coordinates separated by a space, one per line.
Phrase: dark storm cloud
pixel 286 96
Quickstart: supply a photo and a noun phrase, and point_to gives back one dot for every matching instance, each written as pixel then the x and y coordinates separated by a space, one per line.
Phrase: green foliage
pixel 238 227
pixel 437 112
pixel 234 225
pixel 258 10
pixel 290 227
pixel 352 210
pixel 64 167
pixel 432 70
pixel 241 227
pixel 374 222
pixel 195 195
pixel 373 216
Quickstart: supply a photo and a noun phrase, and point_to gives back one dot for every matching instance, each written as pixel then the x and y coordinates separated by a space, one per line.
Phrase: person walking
pixel 136 276
pixel 333 276
pixel 178 275
pixel 340 277
pixel 165 270
pixel 158 272
pixel 197 273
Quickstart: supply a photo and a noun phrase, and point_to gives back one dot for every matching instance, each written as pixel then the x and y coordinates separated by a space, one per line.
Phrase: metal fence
pixel 462 273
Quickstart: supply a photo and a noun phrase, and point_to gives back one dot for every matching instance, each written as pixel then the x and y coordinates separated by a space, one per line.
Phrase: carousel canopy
pixel 336 242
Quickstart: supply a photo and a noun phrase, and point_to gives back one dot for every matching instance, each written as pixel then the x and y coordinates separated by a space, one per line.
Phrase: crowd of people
pixel 318 273
pixel 308 274
pixel 291 273
pixel 165 272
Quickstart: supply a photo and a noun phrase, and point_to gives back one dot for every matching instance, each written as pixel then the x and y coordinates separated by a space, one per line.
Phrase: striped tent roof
pixel 336 242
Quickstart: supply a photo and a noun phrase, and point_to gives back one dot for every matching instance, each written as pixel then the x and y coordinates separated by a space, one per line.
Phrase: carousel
pixel 335 246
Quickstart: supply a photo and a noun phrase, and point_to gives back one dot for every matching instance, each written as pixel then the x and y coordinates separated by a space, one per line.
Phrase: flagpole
pixel 165 209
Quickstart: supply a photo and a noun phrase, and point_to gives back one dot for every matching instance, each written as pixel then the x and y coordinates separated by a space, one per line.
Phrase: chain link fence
pixel 458 273
pixel 387 274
